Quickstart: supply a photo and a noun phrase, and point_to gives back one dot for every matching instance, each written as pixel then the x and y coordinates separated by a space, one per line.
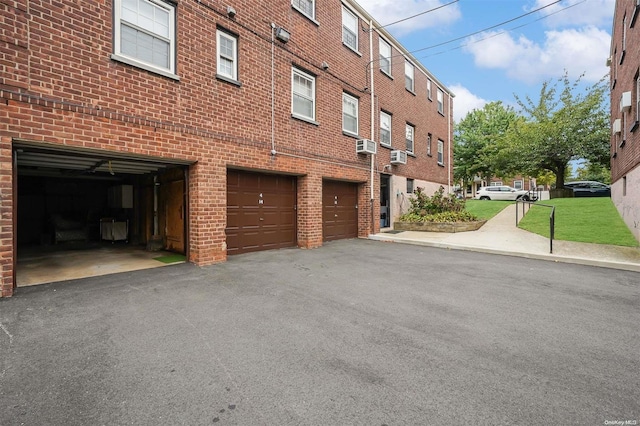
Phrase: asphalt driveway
pixel 357 332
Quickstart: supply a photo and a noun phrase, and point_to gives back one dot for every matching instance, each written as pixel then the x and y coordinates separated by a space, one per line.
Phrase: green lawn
pixel 587 220
pixel 486 209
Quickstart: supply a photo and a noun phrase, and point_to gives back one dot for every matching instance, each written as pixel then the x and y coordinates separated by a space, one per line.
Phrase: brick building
pixel 625 113
pixel 210 128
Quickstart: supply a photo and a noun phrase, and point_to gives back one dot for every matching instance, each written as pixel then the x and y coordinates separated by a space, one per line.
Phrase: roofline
pixel 403 50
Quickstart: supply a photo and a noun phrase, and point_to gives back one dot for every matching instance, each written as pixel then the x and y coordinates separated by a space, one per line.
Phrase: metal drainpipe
pixel 373 226
pixel 273 89
pixel 449 159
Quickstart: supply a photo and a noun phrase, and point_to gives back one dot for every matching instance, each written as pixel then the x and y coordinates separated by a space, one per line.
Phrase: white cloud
pixel 577 51
pixel 388 11
pixel 576 12
pixel 464 102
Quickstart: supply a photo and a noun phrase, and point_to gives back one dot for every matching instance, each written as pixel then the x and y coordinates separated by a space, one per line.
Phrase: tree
pixel 561 126
pixel 478 142
pixel 593 171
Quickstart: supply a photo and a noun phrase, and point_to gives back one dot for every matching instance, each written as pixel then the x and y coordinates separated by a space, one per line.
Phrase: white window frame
pixel 301 74
pixel 385 127
pixel 498 183
pixel 346 13
pixel 638 98
pixel 410 130
pixel 409 76
pixel 440 152
pixel 429 144
pixel 234 59
pixel 385 57
pixel 429 95
pixel 170 38
pixel 440 101
pixel 518 182
pixel 346 99
pixel 296 4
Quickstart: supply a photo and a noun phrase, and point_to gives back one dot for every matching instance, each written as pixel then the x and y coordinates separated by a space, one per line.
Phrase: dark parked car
pixel 588 188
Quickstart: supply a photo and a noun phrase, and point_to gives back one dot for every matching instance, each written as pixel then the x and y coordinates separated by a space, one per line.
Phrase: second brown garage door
pixel 339 210
pixel 261 212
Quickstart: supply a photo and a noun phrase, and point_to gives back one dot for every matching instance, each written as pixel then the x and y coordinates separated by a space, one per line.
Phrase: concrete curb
pixel 538 256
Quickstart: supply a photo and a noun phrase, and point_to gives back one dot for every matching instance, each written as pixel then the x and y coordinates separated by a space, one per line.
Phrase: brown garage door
pixel 261 212
pixel 339 210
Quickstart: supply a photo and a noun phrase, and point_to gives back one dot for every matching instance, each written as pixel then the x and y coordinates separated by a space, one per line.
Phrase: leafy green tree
pixel 562 125
pixel 594 171
pixel 478 142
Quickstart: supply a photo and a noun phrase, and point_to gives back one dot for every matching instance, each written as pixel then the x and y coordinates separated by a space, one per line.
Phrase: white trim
pixel 295 71
pixel 233 59
pixel 354 101
pixel 390 118
pixel 302 11
pixel 408 66
pixel 382 42
pixel 413 138
pixel 144 27
pixel 352 31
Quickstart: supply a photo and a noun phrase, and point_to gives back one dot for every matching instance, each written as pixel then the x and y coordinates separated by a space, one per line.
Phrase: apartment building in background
pixel 624 65
pixel 209 128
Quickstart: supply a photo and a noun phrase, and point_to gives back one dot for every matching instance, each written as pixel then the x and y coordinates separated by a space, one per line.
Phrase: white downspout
pixel 449 159
pixel 373 128
pixel 273 91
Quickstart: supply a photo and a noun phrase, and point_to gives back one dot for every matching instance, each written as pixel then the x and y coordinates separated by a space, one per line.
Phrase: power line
pixel 488 28
pixel 417 14
pixel 505 31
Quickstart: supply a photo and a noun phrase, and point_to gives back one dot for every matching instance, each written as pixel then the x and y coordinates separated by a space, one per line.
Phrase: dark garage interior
pixel 83 213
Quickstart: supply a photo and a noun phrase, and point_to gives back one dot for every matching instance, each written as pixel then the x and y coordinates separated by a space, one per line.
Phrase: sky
pixel 466 46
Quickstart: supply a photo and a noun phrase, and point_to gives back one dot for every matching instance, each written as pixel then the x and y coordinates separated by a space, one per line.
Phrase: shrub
pixel 436 208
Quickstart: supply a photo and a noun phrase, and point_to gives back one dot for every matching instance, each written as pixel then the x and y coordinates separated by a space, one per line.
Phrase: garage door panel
pixel 339 210
pixel 260 212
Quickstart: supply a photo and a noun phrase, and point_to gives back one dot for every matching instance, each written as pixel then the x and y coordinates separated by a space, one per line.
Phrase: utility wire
pixel 504 31
pixel 488 28
pixel 416 15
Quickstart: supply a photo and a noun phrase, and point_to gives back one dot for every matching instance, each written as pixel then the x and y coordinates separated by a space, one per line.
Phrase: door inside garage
pixel 339 210
pixel 261 212
pixel 84 212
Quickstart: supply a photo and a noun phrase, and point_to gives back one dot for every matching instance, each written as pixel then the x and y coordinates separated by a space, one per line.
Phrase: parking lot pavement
pixel 357 332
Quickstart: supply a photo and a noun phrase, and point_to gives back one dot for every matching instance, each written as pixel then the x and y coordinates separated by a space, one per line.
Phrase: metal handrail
pixel 552 218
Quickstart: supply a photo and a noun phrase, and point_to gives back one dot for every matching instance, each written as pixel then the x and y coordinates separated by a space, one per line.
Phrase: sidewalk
pixel 501 236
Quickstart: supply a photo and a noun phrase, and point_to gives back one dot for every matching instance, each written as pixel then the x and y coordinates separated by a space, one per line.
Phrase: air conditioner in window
pixel 398 157
pixel 617 126
pixel 366 146
pixel 625 101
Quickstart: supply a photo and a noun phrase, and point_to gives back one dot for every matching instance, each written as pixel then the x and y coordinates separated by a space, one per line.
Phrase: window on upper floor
pixel 306 7
pixel 410 133
pixel 440 152
pixel 440 101
pixel 145 35
pixel 624 33
pixel 303 94
pixel 227 54
pixel 429 144
pixel 408 76
pixel 349 114
pixel 429 89
pixel 349 29
pixel 637 97
pixel 385 128
pixel 385 57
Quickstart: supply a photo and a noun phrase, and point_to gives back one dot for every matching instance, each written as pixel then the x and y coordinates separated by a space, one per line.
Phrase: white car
pixel 502 193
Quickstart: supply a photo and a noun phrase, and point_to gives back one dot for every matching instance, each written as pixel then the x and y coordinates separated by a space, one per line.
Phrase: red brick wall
pixel 624 71
pixel 59 85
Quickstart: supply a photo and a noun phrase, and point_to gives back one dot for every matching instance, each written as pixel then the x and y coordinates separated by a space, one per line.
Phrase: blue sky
pixel 514 58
